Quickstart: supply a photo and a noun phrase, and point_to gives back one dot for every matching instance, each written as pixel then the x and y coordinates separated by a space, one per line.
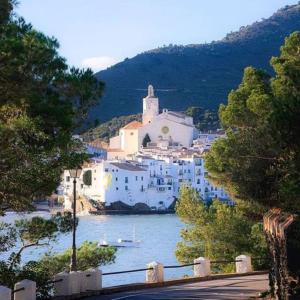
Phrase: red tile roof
pixel 133 125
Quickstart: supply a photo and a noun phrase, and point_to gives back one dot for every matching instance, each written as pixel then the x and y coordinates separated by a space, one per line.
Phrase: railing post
pixel 62 284
pixel 243 264
pixel 5 293
pixel 75 280
pixel 202 269
pixel 93 280
pixel 28 292
pixel 155 272
pixel 82 281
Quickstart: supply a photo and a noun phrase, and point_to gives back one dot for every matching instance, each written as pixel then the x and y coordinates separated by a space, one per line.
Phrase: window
pixel 126 179
pixel 82 186
pixel 131 133
pixel 126 188
pixel 116 178
pixel 106 170
pixel 166 172
pixel 216 188
pixel 117 188
pixel 169 188
pixel 113 170
pixel 189 171
pixel 68 178
pixel 198 181
pixel 211 188
pixel 94 171
pixel 142 178
pixel 136 178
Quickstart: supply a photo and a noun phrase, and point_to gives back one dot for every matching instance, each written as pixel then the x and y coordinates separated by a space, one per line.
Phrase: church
pixel 165 129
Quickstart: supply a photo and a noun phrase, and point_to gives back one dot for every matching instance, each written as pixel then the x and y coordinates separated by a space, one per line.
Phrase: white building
pixel 153 181
pixel 169 127
pixel 149 177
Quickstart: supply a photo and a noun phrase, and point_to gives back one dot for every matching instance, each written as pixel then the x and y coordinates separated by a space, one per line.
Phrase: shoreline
pixel 132 212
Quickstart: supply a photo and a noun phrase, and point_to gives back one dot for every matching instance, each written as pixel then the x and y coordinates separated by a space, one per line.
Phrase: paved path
pixel 238 288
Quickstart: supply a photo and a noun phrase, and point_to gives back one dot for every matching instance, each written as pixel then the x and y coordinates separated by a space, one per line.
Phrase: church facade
pixel 166 129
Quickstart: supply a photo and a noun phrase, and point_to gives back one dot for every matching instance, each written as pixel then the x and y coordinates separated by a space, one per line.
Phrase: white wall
pixel 129 140
pixel 177 132
pixel 115 142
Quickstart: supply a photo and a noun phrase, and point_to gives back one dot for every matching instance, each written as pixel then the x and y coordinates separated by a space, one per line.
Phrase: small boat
pixel 121 242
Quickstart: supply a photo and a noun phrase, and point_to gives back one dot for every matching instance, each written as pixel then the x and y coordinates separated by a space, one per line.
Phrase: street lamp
pixel 75 174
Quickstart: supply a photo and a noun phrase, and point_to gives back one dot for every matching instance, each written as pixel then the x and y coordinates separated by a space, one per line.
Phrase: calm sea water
pixel 158 234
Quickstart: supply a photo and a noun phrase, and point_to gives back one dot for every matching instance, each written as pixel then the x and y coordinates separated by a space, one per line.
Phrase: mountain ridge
pixel 195 74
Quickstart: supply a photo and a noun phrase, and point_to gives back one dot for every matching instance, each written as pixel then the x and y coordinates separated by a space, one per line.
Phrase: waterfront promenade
pixel 238 288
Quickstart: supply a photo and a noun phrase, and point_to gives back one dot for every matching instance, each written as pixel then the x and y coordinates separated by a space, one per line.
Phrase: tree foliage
pixel 204 119
pixel 146 140
pixel 259 160
pixel 42 101
pixel 217 231
pixel 26 234
pixel 39 232
pixel 87 177
pixel 89 255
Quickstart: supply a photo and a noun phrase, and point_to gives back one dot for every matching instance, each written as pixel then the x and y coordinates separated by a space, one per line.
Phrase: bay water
pixel 158 234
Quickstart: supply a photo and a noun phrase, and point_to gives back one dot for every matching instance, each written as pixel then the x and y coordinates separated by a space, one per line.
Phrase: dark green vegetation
pixel 146 140
pixel 87 177
pixel 217 231
pixel 194 75
pixel 39 232
pixel 89 255
pixel 259 160
pixel 204 120
pixel 42 101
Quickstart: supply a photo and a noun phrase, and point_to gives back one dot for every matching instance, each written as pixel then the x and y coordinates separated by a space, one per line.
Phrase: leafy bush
pixel 87 177
pixel 218 231
pixel 89 255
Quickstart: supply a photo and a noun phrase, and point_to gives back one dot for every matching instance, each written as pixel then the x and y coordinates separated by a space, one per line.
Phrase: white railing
pixel 74 283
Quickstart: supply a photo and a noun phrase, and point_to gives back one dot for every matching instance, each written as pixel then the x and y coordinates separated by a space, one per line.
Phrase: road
pixel 230 288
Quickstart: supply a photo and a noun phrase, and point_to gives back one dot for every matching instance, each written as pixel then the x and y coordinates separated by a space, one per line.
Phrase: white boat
pixel 121 242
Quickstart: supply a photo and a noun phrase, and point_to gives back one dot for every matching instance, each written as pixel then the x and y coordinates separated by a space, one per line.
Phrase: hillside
pixel 194 75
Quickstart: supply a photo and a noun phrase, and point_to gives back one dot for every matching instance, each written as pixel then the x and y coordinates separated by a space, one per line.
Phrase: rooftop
pixel 127 166
pixel 177 114
pixel 133 125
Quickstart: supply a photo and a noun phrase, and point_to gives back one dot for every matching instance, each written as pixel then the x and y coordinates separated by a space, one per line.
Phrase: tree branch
pixel 37 244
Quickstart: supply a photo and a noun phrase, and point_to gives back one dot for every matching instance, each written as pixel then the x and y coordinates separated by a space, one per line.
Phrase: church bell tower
pixel 150 106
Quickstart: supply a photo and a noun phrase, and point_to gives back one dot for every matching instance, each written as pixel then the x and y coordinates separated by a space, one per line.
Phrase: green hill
pixel 193 75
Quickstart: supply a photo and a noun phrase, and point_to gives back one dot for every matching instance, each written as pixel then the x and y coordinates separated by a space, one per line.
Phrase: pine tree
pixel 146 140
pixel 259 160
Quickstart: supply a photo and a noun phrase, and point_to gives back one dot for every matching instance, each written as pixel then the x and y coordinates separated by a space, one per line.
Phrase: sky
pixel 100 33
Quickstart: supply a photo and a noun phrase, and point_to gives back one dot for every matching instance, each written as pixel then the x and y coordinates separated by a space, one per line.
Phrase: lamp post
pixel 75 174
